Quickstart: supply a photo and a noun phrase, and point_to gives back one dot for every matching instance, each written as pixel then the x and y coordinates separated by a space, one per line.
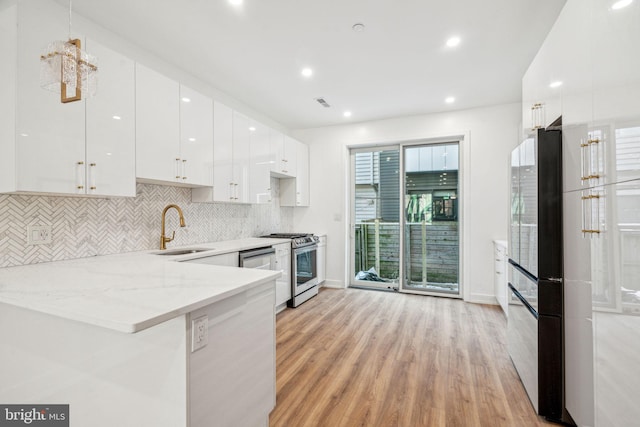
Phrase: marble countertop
pixel 132 291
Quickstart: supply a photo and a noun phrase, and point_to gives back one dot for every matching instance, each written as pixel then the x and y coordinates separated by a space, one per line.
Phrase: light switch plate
pixel 199 332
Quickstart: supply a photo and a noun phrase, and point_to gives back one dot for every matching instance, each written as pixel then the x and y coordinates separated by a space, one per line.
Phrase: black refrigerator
pixel 535 322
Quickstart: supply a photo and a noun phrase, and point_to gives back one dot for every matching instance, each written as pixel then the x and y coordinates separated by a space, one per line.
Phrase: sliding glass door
pixel 405 218
pixel 431 239
pixel 375 217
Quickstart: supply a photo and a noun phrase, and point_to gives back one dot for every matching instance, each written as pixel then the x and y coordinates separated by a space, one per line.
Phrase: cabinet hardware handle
pixel 177 176
pixel 92 164
pixel 81 171
pixel 92 188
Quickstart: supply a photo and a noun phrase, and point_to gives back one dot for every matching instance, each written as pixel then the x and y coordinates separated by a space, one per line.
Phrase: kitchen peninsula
pixel 114 337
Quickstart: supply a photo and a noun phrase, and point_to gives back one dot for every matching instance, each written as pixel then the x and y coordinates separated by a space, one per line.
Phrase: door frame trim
pixel 463 138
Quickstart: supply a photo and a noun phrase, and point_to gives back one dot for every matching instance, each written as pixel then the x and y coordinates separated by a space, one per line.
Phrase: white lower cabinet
pixel 322 258
pixel 500 274
pixel 151 377
pixel 232 379
pixel 602 310
pixel 283 263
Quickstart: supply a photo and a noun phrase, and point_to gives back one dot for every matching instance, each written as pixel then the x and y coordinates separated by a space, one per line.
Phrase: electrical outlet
pixel 199 332
pixel 38 234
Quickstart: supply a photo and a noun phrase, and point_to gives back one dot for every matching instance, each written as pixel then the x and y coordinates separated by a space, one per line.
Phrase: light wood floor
pixel 378 359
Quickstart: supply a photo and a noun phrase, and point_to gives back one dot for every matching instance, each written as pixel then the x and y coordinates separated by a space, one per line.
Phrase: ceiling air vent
pixel 322 102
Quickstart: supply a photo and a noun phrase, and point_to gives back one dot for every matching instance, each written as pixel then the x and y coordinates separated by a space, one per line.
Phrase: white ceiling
pixel 399 65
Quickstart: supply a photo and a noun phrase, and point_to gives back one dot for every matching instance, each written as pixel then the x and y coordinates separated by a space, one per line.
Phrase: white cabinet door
pixel 196 137
pixel 302 175
pixel 289 156
pixel 157 127
pixel 295 191
pixel 241 157
pixel 50 135
pixel 283 263
pixel 500 274
pixel 110 144
pixel 231 158
pixel 8 69
pixel 222 153
pixel 616 308
pixel 614 38
pixel 322 258
pixel 232 378
pixel 260 165
pixel 283 154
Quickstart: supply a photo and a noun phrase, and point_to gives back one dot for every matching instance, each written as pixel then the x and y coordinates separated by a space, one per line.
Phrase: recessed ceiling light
pixel 185 99
pixel 621 4
pixel 358 28
pixel 347 114
pixel 555 84
pixel 24 134
pixel 453 41
pixel 192 140
pixel 450 100
pixel 236 2
pixel 252 129
pixel 307 72
pixel 116 117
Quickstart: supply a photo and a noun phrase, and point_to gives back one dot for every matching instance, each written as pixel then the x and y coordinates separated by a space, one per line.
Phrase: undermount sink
pixel 184 251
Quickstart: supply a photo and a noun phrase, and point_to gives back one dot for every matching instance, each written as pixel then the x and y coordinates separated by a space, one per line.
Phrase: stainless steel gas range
pixel 304 266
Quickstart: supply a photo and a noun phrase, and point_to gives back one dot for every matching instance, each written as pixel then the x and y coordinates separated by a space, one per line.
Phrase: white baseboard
pixel 281 307
pixel 482 299
pixel 335 284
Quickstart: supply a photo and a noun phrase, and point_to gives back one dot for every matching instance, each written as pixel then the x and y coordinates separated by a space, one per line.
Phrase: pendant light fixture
pixel 67 69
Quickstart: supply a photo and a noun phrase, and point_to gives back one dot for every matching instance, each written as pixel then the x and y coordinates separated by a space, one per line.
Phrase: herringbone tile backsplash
pixel 83 227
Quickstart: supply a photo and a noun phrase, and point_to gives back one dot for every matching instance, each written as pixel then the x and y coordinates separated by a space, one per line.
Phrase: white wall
pixel 491 133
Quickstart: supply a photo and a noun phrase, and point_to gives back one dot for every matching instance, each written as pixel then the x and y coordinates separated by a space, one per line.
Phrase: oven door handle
pixel 305 249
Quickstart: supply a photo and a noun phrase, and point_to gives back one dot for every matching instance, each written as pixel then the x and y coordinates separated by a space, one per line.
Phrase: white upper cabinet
pixel 157 127
pixel 84 147
pixel 196 137
pixel 260 164
pixel 241 157
pixel 614 37
pixel 283 149
pixel 295 191
pixel 50 135
pixel 231 157
pixel 302 175
pixel 174 132
pixel 542 88
pixel 110 149
pixel 601 112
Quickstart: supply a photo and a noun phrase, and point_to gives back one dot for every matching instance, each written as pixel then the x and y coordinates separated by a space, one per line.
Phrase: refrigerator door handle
pixel 524 302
